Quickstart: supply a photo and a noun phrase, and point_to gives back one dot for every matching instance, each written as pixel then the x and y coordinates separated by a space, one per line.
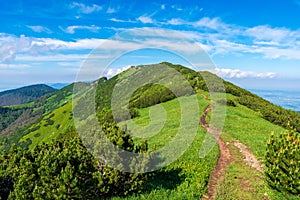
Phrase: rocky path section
pixel 249 159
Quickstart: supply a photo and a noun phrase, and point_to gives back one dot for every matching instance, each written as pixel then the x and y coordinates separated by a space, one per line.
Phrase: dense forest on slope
pixel 24 94
pixel 49 146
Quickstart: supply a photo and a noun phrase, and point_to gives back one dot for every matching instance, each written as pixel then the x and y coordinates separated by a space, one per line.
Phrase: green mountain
pixel 52 160
pixel 24 94
pixel 58 86
pixel 16 120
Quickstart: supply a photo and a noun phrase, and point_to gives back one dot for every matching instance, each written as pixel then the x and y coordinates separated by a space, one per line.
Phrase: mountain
pixel 58 86
pixel 19 117
pixel 24 94
pixel 52 155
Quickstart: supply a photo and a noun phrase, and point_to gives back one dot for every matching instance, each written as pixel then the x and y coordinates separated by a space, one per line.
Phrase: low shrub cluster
pixel 66 170
pixel 283 162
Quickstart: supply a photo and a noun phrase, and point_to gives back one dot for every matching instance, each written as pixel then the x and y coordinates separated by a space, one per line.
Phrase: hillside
pixel 24 94
pixel 57 154
pixel 16 120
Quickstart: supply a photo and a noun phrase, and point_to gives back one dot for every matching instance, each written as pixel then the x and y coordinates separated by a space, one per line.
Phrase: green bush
pixel 66 170
pixel 230 102
pixel 49 122
pixel 37 135
pixel 282 161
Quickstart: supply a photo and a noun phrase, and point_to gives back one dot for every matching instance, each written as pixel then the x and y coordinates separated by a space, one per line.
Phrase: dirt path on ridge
pixel 225 158
pixel 249 158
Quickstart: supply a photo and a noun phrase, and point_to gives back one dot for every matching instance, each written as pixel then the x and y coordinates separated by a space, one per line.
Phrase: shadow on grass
pixel 164 179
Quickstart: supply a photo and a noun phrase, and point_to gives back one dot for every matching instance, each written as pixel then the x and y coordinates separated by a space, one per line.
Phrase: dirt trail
pixel 225 158
pixel 249 159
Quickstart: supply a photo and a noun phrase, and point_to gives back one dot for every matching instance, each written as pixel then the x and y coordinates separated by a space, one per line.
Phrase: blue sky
pixel 255 44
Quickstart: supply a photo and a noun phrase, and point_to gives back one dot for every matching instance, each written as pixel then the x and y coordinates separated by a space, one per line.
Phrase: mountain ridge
pixel 250 119
pixel 24 94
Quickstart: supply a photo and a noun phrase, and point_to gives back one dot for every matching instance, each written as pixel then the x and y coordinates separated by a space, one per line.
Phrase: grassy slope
pixel 45 132
pixel 247 126
pixel 187 177
pixel 242 181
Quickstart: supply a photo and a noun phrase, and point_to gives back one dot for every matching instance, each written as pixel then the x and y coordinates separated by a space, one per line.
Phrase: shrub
pixel 35 128
pixel 37 135
pixel 57 126
pixel 49 122
pixel 283 162
pixel 67 170
pixel 231 102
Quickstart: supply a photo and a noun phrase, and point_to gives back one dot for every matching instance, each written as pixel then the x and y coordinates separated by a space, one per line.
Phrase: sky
pixel 255 44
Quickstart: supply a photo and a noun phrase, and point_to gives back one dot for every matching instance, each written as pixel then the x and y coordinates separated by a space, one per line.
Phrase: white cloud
pixel 275 53
pixel 117 20
pixel 13 66
pixel 176 7
pixel 176 21
pixel 145 20
pixel 50 58
pixel 111 10
pixel 270 42
pixel 70 64
pixel 55 44
pixel 86 9
pixel 207 22
pixel 268 34
pixel 236 73
pixel 10 45
pixel 112 72
pixel 72 29
pixel 121 20
pixel 40 29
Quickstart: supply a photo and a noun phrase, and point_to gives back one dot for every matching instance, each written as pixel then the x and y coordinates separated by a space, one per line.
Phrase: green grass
pixel 240 180
pixel 187 177
pixel 247 126
pixel 51 126
pixel 25 105
pixel 244 182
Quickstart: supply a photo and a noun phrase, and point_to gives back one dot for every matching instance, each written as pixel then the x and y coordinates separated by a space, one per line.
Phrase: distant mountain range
pixel 58 86
pixel 24 94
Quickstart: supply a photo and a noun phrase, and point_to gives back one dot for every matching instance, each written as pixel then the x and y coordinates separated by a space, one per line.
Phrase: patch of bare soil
pixel 249 159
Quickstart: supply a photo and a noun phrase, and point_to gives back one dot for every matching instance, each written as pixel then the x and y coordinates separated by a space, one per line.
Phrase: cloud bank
pixel 236 73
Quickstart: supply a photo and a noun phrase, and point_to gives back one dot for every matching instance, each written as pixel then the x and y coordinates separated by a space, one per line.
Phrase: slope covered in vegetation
pixel 249 119
pixel 24 94
pixel 19 120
